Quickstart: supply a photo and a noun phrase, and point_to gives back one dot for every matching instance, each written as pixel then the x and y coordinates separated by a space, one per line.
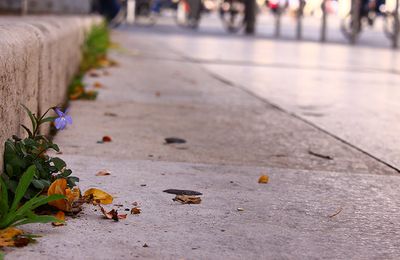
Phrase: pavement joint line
pixel 229 83
pixel 264 100
pixel 281 170
pixel 271 65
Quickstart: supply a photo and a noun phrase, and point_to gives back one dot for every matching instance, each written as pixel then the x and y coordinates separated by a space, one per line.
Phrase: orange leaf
pixel 263 179
pixel 60 216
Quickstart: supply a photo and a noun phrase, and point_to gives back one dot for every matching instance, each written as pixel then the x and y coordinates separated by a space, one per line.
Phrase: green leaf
pixel 23 185
pixel 27 130
pixel 41 184
pixel 31 116
pixel 4 198
pixel 48 119
pixel 58 163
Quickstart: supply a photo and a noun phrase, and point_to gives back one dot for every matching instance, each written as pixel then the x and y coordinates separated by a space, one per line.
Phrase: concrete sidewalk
pixel 232 138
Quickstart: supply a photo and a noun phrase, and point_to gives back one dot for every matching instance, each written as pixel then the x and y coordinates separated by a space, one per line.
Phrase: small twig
pixel 327 157
pixel 336 213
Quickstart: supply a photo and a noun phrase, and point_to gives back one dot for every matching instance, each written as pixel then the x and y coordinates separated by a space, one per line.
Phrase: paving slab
pixel 288 218
pixel 312 208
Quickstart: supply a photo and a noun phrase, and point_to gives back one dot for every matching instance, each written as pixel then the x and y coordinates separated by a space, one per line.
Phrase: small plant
pixel 13 214
pixel 20 154
pixel 76 90
pixel 95 47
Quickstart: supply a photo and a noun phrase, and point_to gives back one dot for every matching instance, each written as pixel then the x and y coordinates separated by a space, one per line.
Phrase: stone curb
pixel 39 56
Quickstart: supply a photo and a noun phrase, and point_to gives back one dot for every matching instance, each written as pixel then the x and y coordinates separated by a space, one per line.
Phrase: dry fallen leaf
pixel 185 199
pixel 93 74
pixel 135 203
pixel 158 94
pixel 107 138
pixel 263 179
pixel 8 235
pixel 60 216
pixel 103 173
pixel 97 196
pixel 113 214
pixel 59 186
pixel 135 210
pixel 240 209
pixel 97 85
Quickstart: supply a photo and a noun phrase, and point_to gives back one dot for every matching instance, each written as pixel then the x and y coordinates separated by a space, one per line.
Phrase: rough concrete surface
pixel 312 208
pixel 38 58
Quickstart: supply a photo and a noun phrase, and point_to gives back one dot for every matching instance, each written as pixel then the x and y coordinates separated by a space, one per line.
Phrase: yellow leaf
pixel 8 235
pixel 98 196
pixel 263 179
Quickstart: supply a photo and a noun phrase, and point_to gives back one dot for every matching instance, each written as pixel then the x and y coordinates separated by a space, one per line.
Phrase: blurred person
pixel 110 9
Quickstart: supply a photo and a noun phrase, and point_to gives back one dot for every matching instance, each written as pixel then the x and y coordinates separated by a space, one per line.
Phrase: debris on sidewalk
pixel 185 199
pixel 110 114
pixel 183 192
pixel 240 209
pixel 112 214
pixel 327 157
pixel 60 216
pixel 174 140
pixel 336 213
pixel 263 179
pixel 103 173
pixel 106 139
pixel 135 211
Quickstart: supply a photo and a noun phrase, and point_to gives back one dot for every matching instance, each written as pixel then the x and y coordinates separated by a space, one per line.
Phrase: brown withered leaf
pixel 97 196
pixel 135 210
pixel 263 179
pixel 60 216
pixel 112 214
pixel 94 74
pixel 185 199
pixel 103 173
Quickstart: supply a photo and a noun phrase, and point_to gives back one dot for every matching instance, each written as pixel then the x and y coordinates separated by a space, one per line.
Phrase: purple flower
pixel 63 119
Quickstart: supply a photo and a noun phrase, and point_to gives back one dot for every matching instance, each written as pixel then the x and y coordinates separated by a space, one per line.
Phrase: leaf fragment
pixel 60 216
pixel 263 179
pixel 112 214
pixel 185 199
pixel 106 138
pixel 135 211
pixel 97 85
pixel 103 173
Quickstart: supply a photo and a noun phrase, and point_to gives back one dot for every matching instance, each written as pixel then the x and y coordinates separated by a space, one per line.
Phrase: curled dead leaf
pixel 113 214
pixel 59 186
pixel 135 210
pixel 263 179
pixel 97 196
pixel 60 216
pixel 103 173
pixel 185 199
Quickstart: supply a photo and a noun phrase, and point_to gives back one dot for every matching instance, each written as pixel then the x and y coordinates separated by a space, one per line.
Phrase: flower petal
pixel 59 112
pixel 57 122
pixel 68 119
